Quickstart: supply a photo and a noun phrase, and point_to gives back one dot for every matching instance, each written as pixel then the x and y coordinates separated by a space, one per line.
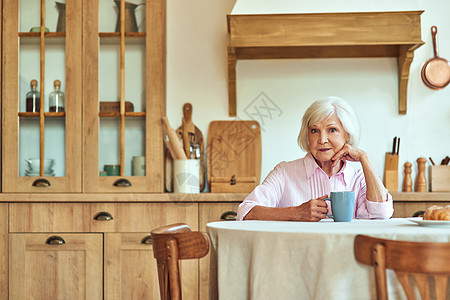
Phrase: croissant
pixel 437 213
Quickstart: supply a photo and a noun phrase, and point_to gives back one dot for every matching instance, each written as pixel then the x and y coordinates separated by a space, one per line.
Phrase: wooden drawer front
pixel 131 270
pixel 41 270
pixel 79 217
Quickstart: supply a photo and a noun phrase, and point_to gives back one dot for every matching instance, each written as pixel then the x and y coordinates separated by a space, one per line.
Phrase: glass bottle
pixel 33 103
pixel 56 98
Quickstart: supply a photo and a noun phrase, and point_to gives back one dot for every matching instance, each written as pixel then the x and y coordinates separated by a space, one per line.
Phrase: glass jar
pixel 33 102
pixel 56 98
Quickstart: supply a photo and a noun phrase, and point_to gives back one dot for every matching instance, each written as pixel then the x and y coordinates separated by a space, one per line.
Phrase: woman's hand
pixel 349 153
pixel 312 211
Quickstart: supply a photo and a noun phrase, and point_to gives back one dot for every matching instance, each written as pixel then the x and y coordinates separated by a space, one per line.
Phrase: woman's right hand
pixel 312 211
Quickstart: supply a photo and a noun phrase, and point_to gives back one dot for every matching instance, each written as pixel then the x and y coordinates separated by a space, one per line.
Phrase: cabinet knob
pixel 229 216
pixel 103 216
pixel 122 182
pixel 55 240
pixel 147 240
pixel 41 182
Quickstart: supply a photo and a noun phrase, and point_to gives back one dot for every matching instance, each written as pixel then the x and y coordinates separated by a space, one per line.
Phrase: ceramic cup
pixel 186 176
pixel 112 170
pixel 138 166
pixel 34 164
pixel 342 206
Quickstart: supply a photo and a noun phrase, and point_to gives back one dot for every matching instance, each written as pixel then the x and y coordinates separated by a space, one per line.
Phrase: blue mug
pixel 342 206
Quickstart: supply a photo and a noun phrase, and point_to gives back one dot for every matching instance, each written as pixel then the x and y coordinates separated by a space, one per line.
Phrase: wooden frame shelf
pixel 117 34
pixel 117 114
pixel 421 197
pixel 38 34
pixel 46 114
pixel 324 35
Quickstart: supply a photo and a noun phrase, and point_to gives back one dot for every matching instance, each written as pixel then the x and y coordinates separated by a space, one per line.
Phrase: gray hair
pixel 321 110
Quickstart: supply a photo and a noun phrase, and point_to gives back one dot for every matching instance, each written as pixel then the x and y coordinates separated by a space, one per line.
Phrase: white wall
pixel 197 73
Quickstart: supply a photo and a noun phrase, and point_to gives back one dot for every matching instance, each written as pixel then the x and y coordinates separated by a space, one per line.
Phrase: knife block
pixel 439 178
pixel 390 179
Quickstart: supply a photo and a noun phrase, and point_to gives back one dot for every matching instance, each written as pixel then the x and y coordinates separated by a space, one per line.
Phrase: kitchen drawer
pixel 80 217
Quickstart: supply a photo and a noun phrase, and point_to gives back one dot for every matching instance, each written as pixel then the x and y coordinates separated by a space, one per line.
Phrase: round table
pixel 301 260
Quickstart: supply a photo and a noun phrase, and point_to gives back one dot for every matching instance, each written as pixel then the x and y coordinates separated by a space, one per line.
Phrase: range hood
pixel 272 29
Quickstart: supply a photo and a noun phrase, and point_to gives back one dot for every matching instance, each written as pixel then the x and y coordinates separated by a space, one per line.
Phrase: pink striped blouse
pixel 295 182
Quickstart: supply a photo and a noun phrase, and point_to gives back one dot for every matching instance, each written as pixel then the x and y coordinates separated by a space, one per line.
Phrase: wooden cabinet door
pixel 209 212
pixel 131 272
pixel 127 69
pixel 40 132
pixel 39 270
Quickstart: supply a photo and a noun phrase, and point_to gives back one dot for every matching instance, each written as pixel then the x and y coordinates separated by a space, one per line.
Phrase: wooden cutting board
pixel 233 156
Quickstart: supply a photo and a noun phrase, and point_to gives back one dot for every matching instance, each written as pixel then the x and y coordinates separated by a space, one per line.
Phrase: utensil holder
pixel 390 179
pixel 439 178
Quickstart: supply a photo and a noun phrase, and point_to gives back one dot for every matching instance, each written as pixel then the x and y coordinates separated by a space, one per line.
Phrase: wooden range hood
pixel 324 35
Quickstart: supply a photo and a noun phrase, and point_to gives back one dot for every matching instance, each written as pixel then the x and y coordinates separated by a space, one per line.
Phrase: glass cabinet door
pixel 124 95
pixel 42 94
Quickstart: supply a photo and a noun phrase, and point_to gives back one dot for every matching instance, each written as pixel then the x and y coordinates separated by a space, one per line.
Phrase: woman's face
pixel 326 138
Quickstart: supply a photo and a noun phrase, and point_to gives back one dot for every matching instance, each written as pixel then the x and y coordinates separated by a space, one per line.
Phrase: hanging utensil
pixel 435 72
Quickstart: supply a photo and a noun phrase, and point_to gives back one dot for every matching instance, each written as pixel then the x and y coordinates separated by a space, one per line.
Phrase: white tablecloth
pixel 300 260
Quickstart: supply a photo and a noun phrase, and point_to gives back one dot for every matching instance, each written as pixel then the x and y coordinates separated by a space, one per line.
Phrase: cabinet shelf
pixel 117 34
pixel 46 114
pixel 38 34
pixel 117 115
pixel 324 35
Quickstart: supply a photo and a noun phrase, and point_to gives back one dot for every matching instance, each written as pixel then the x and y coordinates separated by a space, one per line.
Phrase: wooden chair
pixel 420 260
pixel 170 244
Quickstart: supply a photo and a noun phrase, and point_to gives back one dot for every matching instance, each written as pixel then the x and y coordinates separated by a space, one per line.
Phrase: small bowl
pixel 112 170
pixel 34 164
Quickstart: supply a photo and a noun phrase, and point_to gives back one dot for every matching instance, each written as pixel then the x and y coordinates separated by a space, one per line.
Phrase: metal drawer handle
pixel 103 216
pixel 229 216
pixel 147 240
pixel 122 182
pixel 41 182
pixel 55 240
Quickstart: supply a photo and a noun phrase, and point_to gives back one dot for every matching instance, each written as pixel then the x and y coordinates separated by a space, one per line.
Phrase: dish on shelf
pixel 35 174
pixel 430 223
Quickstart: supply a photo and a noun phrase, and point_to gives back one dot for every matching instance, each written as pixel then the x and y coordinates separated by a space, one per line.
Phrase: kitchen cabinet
pixel 44 57
pixel 210 212
pixel 129 67
pixel 406 204
pixel 107 249
pixel 56 271
pixel 120 71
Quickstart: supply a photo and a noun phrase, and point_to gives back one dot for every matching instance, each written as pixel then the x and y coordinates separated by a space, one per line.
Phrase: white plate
pixel 36 174
pixel 430 223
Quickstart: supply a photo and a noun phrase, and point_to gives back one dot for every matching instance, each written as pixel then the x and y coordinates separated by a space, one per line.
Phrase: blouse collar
pixel 311 167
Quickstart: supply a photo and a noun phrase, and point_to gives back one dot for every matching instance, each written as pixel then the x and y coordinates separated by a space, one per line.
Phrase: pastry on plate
pixel 437 213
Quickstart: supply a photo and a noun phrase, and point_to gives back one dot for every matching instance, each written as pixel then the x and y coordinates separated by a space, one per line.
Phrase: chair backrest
pixel 170 244
pixel 419 260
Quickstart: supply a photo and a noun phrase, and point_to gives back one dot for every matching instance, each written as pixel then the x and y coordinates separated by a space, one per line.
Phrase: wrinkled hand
pixel 313 211
pixel 349 153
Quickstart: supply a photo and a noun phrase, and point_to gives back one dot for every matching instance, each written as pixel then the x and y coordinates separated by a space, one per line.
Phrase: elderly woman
pixel 294 191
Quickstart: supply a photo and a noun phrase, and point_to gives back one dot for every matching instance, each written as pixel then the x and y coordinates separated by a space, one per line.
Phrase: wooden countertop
pixel 116 197
pixel 171 197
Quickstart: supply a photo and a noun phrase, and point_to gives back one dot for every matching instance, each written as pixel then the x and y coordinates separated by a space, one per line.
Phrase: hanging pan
pixel 435 71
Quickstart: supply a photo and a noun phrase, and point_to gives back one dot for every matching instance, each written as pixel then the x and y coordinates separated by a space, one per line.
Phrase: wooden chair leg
pixel 163 278
pixel 174 278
